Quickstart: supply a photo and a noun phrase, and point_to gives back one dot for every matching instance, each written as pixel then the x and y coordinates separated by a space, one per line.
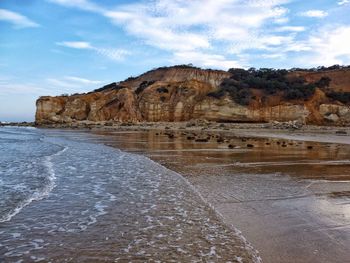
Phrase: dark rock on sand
pixel 341 132
pixel 201 140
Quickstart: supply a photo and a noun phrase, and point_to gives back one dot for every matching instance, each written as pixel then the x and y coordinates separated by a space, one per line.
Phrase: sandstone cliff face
pixel 180 94
pixel 174 74
pixel 49 109
pixel 172 101
pixel 115 105
pixel 335 113
pixel 226 110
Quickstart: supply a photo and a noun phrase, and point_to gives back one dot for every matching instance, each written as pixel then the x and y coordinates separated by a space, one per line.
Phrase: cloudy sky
pixel 50 47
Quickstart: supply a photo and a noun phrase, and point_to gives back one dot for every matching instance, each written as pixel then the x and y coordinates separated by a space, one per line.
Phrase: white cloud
pixel 281 48
pixel 290 28
pixel 273 56
pixel 207 27
pixel 314 13
pixel 343 2
pixel 111 53
pixel 81 4
pixel 169 24
pixel 18 20
pixel 281 20
pixel 329 46
pixel 62 83
pixel 157 32
pixel 69 85
pixel 207 31
pixel 296 46
pixel 83 81
pixel 75 44
pixel 326 46
pixel 266 42
pixel 221 33
pixel 72 82
pixel 205 60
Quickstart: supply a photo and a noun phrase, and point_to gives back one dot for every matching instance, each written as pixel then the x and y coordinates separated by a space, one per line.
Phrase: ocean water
pixel 67 200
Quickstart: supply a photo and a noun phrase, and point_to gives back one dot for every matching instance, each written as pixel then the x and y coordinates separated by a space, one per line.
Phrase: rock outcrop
pixel 181 94
pixel 335 113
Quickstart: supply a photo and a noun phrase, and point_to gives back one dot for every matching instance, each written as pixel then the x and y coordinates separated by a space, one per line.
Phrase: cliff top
pixel 340 76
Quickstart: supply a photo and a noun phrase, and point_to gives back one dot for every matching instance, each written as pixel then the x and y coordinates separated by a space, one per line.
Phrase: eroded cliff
pixel 181 94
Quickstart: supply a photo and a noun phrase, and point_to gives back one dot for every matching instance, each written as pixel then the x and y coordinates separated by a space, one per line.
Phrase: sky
pixel 53 47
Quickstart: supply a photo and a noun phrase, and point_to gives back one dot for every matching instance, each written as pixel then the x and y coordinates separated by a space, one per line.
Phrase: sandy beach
pixel 221 191
pixel 81 201
pixel 288 191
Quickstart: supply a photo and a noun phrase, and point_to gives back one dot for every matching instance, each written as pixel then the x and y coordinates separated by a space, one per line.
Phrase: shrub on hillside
pixel 323 82
pixel 162 90
pixel 343 97
pixel 270 81
pixel 143 85
pixel 111 86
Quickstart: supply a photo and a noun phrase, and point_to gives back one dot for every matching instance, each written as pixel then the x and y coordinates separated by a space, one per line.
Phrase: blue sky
pixel 50 47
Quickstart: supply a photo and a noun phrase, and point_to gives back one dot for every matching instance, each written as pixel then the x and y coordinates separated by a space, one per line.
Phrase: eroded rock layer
pixel 181 94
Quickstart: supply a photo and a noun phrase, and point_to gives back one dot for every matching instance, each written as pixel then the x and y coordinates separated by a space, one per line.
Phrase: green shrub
pixel 323 82
pixel 270 81
pixel 162 90
pixel 110 86
pixel 343 97
pixel 143 85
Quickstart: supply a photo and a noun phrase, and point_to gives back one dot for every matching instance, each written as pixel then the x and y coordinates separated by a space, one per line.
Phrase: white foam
pixel 15 235
pixel 238 233
pixel 112 197
pixel 36 196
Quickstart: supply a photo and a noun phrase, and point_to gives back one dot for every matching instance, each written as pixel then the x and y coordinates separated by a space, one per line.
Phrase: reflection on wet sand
pixel 107 206
pixel 289 198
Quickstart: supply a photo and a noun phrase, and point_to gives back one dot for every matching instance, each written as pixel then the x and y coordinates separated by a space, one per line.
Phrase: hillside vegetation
pixel 280 82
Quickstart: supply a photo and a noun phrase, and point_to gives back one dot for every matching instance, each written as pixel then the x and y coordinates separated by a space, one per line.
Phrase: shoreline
pixel 199 130
pixel 166 150
pixel 280 130
pixel 257 207
pixel 118 204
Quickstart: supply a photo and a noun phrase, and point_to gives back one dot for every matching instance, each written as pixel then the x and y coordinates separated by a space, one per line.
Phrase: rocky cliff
pixel 181 93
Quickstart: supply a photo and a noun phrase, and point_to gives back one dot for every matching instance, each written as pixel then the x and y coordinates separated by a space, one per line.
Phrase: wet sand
pixel 290 198
pixel 100 204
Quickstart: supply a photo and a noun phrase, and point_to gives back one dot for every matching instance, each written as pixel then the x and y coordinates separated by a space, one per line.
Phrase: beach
pixel 66 198
pixel 286 190
pixel 279 194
